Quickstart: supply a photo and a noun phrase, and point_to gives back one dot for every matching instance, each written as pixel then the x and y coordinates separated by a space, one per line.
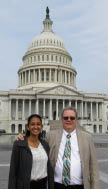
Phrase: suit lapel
pixel 58 141
pixel 81 146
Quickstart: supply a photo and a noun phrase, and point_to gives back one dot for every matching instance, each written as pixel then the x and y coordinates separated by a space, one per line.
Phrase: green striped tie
pixel 66 162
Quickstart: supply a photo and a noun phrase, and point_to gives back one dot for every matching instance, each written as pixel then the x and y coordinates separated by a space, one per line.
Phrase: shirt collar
pixel 72 133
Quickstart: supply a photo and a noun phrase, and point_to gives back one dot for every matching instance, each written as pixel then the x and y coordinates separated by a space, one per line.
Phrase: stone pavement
pixel 102 155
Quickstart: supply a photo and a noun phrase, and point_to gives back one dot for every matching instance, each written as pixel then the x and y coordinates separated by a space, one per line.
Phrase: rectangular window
pixel 42 75
pixel 52 75
pixel 47 75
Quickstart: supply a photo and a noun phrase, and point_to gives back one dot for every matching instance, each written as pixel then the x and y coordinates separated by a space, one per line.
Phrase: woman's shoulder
pixel 44 143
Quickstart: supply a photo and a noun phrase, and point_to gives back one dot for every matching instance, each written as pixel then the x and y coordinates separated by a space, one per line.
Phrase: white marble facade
pixel 47 84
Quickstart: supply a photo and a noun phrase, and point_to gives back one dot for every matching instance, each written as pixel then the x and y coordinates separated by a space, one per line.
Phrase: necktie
pixel 66 162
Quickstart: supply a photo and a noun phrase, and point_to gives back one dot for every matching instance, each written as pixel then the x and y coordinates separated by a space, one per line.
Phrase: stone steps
pixel 55 124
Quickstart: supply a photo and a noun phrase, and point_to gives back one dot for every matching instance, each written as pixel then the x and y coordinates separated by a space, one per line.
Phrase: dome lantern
pixel 47 22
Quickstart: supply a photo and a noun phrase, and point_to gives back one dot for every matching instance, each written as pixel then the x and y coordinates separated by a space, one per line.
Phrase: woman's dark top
pixel 21 164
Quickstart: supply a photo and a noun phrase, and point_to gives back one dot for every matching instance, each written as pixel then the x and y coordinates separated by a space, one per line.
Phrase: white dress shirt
pixel 39 164
pixel 75 171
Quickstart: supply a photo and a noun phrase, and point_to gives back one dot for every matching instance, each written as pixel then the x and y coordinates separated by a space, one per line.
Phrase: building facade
pixel 47 84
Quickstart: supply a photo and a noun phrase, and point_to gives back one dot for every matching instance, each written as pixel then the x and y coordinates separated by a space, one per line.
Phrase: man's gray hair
pixel 69 108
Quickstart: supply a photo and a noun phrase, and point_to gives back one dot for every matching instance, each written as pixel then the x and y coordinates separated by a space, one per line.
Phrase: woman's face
pixel 35 126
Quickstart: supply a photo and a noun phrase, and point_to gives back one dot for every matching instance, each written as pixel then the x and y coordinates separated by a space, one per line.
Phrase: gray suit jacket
pixel 87 155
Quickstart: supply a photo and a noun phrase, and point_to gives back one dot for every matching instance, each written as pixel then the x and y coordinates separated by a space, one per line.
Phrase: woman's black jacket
pixel 21 164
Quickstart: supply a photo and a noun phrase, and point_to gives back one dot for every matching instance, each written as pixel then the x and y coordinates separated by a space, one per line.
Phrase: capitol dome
pixel 46 60
pixel 47 39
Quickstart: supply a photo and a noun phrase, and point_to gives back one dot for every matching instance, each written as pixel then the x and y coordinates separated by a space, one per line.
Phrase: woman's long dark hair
pixel 28 122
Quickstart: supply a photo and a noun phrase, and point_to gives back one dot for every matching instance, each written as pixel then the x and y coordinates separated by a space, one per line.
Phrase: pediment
pixel 60 90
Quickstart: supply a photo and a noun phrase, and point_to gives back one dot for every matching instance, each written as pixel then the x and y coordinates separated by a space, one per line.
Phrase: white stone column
pixel 63 103
pixel 76 105
pixel 56 109
pixel 37 106
pixel 34 78
pixel 97 128
pixel 16 117
pixel 104 117
pixel 82 109
pixel 74 81
pixel 22 78
pixel 69 103
pixel 23 110
pixel 39 76
pixel 16 128
pixel 19 79
pixel 61 75
pixel 69 78
pixel 91 112
pixel 44 107
pixel 65 77
pixel 100 111
pixel 29 107
pixel 50 110
pixel 10 109
pixel 86 114
pixel 25 77
pixel 29 76
pixel 96 111
pixel 55 78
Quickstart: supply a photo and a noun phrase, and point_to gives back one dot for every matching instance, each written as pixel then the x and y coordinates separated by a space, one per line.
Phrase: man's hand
pixel 20 137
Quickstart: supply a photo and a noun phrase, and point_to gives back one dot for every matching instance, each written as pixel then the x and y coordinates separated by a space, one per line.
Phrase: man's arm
pixel 20 137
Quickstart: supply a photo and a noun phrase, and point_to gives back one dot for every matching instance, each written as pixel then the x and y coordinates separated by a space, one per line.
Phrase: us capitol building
pixel 47 84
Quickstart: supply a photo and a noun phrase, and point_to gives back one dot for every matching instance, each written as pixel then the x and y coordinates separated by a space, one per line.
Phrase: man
pixel 72 155
pixel 83 164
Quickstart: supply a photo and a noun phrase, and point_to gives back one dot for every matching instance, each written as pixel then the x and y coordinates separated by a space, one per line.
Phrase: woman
pixel 29 165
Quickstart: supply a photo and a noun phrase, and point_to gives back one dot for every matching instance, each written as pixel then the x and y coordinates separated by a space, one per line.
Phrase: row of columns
pixel 55 75
pixel 46 58
pixel 80 106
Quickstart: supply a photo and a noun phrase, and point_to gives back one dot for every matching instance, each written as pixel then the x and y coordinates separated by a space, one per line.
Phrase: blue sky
pixel 82 24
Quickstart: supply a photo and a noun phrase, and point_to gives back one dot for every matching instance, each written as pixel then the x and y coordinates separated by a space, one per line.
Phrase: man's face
pixel 69 120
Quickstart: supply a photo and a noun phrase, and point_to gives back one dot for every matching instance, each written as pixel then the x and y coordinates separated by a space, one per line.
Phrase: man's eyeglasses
pixel 71 118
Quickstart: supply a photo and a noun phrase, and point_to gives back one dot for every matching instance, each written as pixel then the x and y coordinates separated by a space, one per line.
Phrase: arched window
pixel 20 128
pixel 13 128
